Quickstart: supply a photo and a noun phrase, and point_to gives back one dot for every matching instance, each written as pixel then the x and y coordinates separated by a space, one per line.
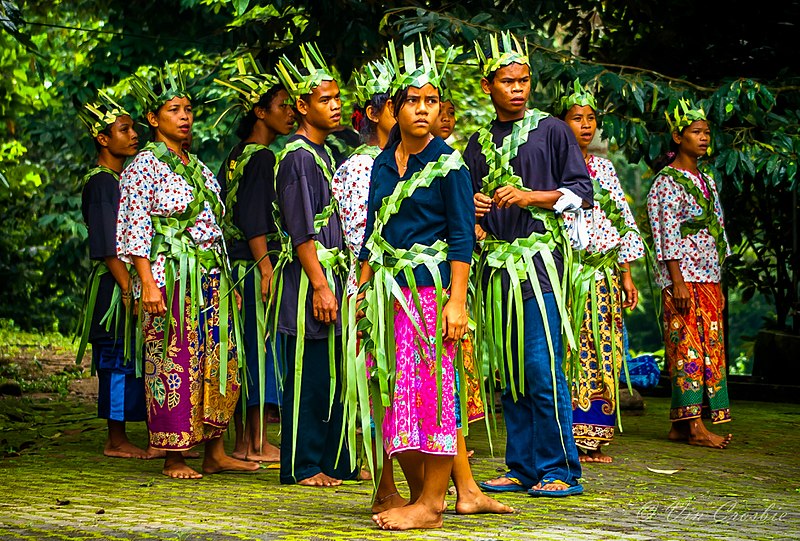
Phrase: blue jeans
pixel 539 447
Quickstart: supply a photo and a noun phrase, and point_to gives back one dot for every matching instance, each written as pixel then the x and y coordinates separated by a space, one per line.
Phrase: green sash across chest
pixel 186 261
pixel 707 219
pixel 516 260
pixel 234 172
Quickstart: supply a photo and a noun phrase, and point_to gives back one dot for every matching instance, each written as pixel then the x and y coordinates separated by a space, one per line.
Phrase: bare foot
pixel 476 503
pixel 124 450
pixel 239 455
pixel 160 453
pixel 227 463
pixel 705 438
pixel 408 518
pixel 320 480
pixel 390 501
pixel 177 469
pixel 364 475
pixel 470 453
pixel 268 453
pixel 678 433
pixel 596 455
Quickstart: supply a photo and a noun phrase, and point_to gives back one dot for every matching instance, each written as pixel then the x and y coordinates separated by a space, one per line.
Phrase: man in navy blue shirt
pixel 522 165
pixel 121 393
pixel 308 215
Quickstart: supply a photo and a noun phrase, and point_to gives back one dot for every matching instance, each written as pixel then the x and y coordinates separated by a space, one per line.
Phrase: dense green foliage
pixel 639 57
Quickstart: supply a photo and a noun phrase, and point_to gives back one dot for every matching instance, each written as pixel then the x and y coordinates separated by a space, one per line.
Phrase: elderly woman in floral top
pixel 690 245
pixel 168 227
pixel 613 242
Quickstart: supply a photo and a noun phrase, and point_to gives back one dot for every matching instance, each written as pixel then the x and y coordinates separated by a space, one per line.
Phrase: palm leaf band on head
pixel 298 83
pixel 173 85
pixel 507 51
pixel 683 115
pixel 102 113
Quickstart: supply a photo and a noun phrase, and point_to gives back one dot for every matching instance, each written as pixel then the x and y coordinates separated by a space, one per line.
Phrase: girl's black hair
pixel 248 121
pixel 366 128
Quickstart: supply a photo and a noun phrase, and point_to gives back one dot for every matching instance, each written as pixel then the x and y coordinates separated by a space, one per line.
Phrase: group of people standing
pixel 341 295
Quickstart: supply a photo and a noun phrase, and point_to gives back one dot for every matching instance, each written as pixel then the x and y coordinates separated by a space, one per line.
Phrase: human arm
pixel 454 313
pixel 507 196
pixel 631 294
pixel 120 273
pixel 258 247
pixel 152 299
pixel 678 289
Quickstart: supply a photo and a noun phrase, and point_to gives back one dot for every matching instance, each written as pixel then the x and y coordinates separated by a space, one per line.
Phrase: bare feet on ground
pixel 267 453
pixel 177 469
pixel 160 453
pixel 123 450
pixel 227 463
pixel 389 501
pixel 320 480
pixel 408 518
pixel 694 432
pixel 596 455
pixel 476 503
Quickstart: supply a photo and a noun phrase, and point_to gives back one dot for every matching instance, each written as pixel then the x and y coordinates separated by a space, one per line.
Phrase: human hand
pixel 152 299
pixel 506 196
pixel 454 320
pixel 325 305
pixel 680 296
pixel 266 284
pixel 483 204
pixel 480 234
pixel 630 292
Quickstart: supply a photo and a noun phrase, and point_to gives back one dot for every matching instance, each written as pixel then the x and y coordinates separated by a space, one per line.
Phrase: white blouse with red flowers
pixel 350 187
pixel 668 206
pixel 148 187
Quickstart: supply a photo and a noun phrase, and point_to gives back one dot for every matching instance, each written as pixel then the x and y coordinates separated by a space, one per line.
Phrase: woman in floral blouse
pixel 690 245
pixel 168 228
pixel 614 241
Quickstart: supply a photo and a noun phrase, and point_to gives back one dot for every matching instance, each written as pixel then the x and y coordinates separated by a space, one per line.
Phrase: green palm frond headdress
pixel 410 72
pixel 507 51
pixel 101 114
pixel 298 83
pixel 172 84
pixel 685 113
pixel 250 81
pixel 375 78
pixel 580 96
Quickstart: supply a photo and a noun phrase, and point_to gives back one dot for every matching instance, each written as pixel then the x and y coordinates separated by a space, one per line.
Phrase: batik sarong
pixel 694 347
pixel 475 410
pixel 594 398
pixel 411 423
pixel 185 405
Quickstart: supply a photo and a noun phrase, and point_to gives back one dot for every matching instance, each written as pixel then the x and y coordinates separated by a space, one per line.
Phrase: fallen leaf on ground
pixel 665 472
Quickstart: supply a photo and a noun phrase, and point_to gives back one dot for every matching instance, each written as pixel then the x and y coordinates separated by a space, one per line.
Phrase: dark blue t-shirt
pixel 100 206
pixel 252 212
pixel 549 159
pixel 303 192
pixel 443 211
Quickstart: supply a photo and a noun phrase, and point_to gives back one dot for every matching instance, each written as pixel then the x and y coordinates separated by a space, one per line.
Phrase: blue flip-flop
pixel 517 485
pixel 572 490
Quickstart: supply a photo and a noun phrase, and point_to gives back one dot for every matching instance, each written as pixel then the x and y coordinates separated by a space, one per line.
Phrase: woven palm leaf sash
pixel 368 150
pixel 186 261
pixel 377 325
pixel 114 315
pixel 708 218
pixel 234 171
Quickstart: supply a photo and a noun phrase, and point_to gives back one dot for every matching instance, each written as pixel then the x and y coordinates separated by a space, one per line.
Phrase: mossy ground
pixel 57 485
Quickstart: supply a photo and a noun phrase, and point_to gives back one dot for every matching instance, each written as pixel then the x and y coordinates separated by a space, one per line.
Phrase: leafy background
pixel 640 57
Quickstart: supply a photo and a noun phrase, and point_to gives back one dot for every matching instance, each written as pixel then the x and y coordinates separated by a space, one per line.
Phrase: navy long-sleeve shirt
pixel 443 211
pixel 550 159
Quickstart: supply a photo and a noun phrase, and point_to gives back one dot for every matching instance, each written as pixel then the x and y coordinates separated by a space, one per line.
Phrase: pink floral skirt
pixel 412 421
